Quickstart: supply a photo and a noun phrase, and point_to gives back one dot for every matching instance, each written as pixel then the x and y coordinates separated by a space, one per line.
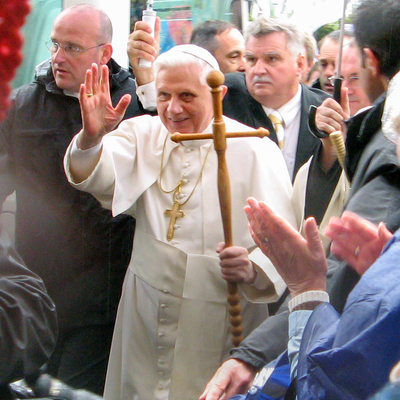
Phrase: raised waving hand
pixel 99 117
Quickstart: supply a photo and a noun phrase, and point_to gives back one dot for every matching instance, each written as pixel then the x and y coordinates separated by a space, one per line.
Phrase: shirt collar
pixel 289 110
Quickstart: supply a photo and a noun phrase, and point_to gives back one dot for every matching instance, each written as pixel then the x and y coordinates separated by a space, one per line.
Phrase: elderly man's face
pixel 230 51
pixel 78 29
pixel 272 75
pixel 350 70
pixel 184 103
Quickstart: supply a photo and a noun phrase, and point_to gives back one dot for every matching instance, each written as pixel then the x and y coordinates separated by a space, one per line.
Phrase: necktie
pixel 280 133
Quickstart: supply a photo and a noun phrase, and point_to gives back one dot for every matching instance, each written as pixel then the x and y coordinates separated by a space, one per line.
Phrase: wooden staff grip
pixel 215 79
pixel 337 141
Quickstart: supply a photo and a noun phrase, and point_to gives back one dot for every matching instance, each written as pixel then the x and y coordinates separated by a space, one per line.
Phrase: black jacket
pixel 240 105
pixel 62 234
pixel 374 171
pixel 28 324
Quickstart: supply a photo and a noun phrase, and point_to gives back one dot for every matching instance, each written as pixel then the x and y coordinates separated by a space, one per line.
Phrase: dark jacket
pixel 350 356
pixel 62 234
pixel 240 105
pixel 28 323
pixel 374 171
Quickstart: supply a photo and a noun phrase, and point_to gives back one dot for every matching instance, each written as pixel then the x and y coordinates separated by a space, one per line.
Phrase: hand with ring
pixel 356 240
pixel 99 117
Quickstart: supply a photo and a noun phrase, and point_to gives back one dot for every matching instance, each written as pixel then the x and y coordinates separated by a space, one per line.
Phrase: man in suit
pixel 271 85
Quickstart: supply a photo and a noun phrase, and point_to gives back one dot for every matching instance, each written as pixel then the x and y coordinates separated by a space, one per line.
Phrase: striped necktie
pixel 280 133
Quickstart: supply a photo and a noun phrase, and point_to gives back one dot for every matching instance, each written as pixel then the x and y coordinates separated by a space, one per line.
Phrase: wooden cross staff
pixel 215 79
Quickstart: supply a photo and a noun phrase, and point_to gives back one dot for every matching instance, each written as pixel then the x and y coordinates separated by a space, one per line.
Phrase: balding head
pixel 87 30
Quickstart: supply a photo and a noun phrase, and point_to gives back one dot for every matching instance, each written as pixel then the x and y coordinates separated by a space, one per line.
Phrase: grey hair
pixel 172 59
pixel 263 26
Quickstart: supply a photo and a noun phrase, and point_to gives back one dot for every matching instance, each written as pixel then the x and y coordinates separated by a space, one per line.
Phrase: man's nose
pixel 241 65
pixel 330 70
pixel 59 55
pixel 175 105
pixel 350 88
pixel 259 67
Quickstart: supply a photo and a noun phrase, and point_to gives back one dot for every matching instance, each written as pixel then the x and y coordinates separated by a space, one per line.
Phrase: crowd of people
pixel 119 225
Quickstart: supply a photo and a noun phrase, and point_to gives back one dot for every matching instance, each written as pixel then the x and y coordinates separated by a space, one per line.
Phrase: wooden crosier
pixel 215 79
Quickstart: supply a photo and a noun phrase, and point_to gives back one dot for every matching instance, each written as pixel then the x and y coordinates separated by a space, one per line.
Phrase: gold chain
pixel 177 188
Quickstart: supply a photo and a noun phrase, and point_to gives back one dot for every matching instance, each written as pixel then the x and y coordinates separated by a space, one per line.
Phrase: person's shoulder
pixel 235 80
pixel 26 94
pixel 314 93
pixel 121 78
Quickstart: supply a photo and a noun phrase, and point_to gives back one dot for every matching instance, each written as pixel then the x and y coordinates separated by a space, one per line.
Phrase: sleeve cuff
pixel 311 296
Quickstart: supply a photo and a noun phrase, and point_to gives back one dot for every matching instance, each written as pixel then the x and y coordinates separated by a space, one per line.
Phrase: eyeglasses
pixel 71 51
pixel 353 81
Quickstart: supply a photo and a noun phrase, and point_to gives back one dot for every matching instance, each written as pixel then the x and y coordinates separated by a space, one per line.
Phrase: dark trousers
pixel 81 356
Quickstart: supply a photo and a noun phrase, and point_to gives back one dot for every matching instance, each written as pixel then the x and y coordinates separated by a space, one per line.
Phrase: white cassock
pixel 172 328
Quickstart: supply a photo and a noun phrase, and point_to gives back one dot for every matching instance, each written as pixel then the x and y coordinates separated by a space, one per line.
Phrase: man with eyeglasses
pixel 64 235
pixel 313 186
pixel 350 72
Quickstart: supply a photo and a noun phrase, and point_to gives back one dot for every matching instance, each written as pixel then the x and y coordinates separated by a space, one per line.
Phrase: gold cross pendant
pixel 174 214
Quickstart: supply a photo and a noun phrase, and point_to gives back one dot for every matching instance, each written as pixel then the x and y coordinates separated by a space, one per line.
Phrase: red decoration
pixel 12 18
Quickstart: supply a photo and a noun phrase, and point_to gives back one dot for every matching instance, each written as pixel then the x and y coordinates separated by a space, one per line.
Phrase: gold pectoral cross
pixel 175 213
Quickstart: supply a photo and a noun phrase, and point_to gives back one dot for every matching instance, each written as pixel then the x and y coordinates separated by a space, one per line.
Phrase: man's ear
pixel 372 62
pixel 107 53
pixel 301 63
pixel 224 90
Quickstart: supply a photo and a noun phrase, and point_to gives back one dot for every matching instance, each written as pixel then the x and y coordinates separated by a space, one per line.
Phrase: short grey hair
pixel 263 26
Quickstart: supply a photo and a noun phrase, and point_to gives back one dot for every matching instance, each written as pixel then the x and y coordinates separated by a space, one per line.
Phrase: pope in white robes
pixel 172 328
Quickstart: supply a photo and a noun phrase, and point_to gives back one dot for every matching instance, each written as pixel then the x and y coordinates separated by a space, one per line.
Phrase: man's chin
pixel 63 85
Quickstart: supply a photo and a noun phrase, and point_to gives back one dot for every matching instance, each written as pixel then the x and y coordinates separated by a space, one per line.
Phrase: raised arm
pixel 142 44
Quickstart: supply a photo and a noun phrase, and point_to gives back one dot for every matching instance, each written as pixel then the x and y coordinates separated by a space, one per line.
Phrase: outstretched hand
pixel 99 117
pixel 233 377
pixel 356 240
pixel 301 262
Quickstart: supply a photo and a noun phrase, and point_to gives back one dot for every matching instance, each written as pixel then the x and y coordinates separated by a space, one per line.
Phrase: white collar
pixel 289 110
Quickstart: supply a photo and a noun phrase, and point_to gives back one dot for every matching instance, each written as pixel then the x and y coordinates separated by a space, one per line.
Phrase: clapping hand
pixel 356 240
